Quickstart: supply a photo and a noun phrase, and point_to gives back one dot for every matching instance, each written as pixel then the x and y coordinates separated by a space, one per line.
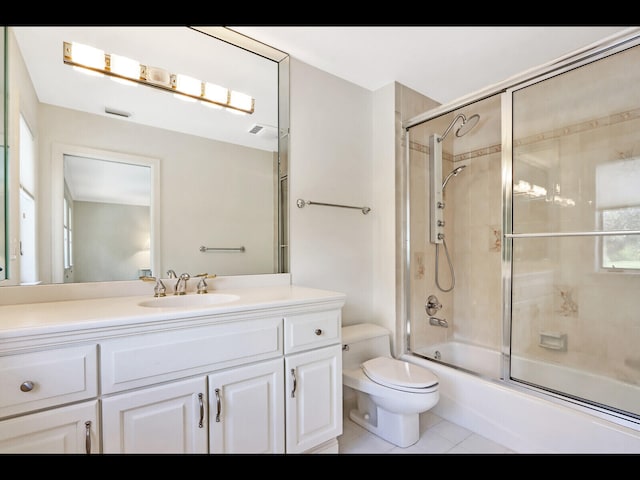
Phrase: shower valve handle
pixel 432 305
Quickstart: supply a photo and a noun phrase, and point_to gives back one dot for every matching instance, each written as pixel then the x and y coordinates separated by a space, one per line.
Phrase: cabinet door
pixel 313 398
pixel 246 408
pixel 169 418
pixel 72 429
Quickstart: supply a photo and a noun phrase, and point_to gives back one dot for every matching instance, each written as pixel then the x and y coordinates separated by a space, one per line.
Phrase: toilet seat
pixel 400 375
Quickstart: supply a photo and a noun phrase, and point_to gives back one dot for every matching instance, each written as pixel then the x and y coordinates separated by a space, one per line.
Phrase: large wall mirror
pixel 111 178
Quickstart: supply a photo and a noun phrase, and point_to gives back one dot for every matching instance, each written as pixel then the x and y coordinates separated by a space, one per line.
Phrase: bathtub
pixel 477 359
pixel 520 418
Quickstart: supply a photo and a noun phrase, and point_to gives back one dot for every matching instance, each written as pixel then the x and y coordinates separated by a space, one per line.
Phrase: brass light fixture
pixel 128 70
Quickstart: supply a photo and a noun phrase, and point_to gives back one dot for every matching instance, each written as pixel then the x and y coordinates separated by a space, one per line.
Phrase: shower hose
pixel 453 276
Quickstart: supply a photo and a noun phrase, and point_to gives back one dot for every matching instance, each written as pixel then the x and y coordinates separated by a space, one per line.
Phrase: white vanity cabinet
pixel 313 369
pixel 175 416
pixel 106 376
pixel 38 380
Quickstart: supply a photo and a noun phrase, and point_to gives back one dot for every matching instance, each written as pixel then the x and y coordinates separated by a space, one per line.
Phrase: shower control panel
pixel 436 202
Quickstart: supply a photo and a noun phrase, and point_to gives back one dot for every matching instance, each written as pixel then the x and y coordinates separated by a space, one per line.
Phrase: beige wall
pixel 331 162
pixel 111 241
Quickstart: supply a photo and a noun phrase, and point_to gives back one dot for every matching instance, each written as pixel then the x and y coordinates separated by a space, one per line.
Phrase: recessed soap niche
pixel 553 341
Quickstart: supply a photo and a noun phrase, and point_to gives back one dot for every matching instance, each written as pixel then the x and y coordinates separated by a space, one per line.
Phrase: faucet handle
pixel 159 290
pixel 206 275
pixel 202 284
pixel 432 305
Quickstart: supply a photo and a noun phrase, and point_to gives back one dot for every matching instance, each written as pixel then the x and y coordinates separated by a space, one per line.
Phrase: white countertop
pixel 46 318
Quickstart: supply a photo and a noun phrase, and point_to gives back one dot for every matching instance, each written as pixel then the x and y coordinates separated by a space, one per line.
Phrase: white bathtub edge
pixel 521 422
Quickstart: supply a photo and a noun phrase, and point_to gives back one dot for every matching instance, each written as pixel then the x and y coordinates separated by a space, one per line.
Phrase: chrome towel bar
pixel 301 203
pixel 607 233
pixel 221 249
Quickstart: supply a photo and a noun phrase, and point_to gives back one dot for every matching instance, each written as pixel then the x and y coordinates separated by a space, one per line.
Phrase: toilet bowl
pixel 390 393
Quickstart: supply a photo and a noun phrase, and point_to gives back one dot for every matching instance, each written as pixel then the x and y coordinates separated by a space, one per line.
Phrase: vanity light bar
pixel 97 61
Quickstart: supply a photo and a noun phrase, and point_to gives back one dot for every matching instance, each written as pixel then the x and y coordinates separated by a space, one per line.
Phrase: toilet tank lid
pixel 362 331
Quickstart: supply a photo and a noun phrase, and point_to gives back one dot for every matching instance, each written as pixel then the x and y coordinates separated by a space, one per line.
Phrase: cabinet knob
pixel 318 331
pixel 26 386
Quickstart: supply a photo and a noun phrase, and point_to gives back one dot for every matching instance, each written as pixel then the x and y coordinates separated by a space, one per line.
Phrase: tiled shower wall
pixel 472 232
pixel 557 288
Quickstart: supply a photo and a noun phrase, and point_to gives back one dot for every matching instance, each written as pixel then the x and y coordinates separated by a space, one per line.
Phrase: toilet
pixel 390 393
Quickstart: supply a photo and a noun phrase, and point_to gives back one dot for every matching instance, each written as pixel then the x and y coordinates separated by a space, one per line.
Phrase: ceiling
pixel 441 62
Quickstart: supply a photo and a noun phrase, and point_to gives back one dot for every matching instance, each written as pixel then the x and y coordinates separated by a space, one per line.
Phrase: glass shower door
pixel 575 237
pixel 462 274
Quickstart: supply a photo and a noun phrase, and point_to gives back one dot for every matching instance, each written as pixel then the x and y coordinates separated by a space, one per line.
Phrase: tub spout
pixel 438 322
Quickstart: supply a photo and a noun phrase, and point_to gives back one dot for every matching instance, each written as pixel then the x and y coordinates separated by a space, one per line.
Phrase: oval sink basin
pixel 189 301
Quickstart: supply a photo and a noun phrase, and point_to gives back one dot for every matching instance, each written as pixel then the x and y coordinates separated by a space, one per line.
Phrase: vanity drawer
pixel 32 381
pixel 142 360
pixel 311 330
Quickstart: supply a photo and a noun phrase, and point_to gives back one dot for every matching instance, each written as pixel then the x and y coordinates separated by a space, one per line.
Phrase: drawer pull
pixel 201 423
pixel 26 386
pixel 218 406
pixel 87 437
pixel 318 331
pixel 295 383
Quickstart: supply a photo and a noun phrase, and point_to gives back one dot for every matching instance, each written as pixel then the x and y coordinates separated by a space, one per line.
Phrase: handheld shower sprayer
pixel 453 173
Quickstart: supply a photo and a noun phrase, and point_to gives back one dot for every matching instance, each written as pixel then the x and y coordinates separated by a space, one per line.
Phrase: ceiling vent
pixel 256 129
pixel 263 130
pixel 113 111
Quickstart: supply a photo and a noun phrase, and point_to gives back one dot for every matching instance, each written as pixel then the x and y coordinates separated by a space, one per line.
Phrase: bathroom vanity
pixel 253 370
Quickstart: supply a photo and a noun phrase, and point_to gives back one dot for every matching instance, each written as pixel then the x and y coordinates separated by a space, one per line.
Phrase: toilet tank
pixel 362 342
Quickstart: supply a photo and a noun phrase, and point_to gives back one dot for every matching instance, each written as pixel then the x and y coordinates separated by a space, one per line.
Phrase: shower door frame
pixel 609 46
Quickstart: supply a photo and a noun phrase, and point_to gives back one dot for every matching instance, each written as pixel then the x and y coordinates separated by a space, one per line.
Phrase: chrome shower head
pixel 467 125
pixel 453 173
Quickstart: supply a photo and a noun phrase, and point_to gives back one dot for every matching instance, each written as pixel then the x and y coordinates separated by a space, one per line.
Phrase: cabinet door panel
pixel 71 429
pixel 314 398
pixel 246 408
pixel 163 419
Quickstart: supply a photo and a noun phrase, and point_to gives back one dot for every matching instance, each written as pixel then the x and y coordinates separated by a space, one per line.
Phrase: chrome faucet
pixel 181 284
pixel 438 322
pixel 172 274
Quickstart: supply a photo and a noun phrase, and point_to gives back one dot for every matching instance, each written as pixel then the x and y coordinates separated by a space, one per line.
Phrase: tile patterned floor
pixel 437 436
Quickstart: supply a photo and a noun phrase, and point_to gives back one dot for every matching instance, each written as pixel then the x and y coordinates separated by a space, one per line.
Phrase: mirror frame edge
pixel 4 275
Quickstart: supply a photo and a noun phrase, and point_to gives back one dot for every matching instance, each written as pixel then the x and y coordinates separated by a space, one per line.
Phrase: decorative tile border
pixel 582 127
